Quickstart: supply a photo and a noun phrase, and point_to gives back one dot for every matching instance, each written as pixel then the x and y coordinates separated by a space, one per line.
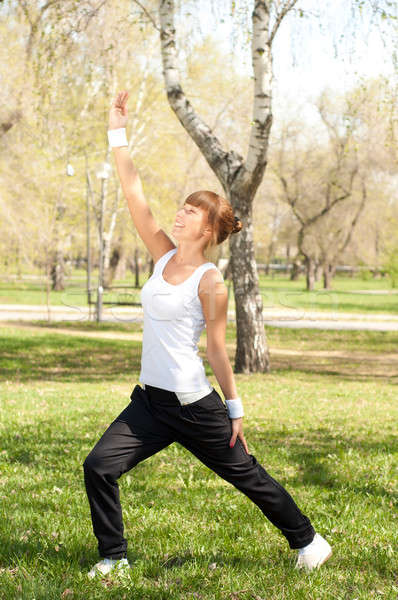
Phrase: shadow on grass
pixel 353 369
pixel 312 451
pixel 57 357
pixel 83 557
pixel 68 359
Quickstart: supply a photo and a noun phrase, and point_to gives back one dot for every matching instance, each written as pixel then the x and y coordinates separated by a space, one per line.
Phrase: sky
pixel 329 47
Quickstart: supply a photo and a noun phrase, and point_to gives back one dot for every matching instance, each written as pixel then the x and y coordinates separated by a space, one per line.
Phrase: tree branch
pixel 356 217
pixel 224 164
pixel 279 18
pixel 148 15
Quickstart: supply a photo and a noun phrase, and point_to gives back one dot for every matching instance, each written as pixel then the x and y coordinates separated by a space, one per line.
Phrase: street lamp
pixel 88 241
pixel 103 171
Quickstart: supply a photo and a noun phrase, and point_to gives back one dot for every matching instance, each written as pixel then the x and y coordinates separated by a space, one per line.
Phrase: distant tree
pixel 326 177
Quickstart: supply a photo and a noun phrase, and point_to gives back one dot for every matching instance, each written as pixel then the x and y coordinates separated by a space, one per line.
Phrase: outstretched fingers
pixel 121 100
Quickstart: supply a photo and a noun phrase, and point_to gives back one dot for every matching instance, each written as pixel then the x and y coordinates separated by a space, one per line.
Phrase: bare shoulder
pixel 213 296
pixel 212 280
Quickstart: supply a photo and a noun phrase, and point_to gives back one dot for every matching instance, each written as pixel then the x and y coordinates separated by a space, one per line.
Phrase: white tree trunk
pixel 240 179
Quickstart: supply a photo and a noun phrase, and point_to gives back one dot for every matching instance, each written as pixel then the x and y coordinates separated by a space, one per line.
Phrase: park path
pixel 292 318
pixel 137 337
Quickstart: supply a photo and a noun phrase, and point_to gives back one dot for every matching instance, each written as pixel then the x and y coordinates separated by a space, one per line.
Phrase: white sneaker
pixel 315 554
pixel 108 565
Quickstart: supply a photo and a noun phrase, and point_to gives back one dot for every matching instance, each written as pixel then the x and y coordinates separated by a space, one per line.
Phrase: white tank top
pixel 173 323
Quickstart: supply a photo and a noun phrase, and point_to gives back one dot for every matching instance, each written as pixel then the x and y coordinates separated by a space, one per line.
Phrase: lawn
pixel 323 425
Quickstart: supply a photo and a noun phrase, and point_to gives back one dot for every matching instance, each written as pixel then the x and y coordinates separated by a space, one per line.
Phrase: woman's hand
pixel 118 111
pixel 237 431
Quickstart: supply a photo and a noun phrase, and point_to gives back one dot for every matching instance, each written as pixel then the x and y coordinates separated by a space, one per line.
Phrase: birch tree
pixel 240 177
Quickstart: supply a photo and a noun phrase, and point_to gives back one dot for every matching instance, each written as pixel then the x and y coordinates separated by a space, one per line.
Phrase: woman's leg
pixel 134 436
pixel 206 431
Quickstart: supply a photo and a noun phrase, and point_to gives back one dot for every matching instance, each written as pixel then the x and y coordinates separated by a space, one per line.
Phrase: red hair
pixel 220 215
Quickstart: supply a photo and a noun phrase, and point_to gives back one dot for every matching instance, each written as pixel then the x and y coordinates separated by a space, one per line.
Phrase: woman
pixel 176 401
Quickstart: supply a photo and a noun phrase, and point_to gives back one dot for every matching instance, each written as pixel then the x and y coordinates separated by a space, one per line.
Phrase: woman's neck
pixel 188 256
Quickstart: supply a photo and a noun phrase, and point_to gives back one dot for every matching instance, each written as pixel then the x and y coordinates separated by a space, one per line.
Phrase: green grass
pixel 326 434
pixel 348 294
pixel 314 339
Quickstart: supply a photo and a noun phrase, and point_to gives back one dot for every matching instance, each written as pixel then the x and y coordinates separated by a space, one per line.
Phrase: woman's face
pixel 190 222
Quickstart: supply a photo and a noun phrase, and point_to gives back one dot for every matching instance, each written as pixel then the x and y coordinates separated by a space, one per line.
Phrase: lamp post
pixel 88 241
pixel 102 174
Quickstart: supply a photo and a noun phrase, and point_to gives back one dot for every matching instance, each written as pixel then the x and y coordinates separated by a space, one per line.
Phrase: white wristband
pixel 235 408
pixel 117 137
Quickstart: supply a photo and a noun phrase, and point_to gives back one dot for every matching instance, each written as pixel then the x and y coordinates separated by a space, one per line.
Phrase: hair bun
pixel 237 226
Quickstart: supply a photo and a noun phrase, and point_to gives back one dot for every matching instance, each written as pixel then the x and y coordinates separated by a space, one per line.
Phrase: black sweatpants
pixel 153 420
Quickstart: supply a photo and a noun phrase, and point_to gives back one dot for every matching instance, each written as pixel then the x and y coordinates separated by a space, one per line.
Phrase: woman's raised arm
pixel 154 238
